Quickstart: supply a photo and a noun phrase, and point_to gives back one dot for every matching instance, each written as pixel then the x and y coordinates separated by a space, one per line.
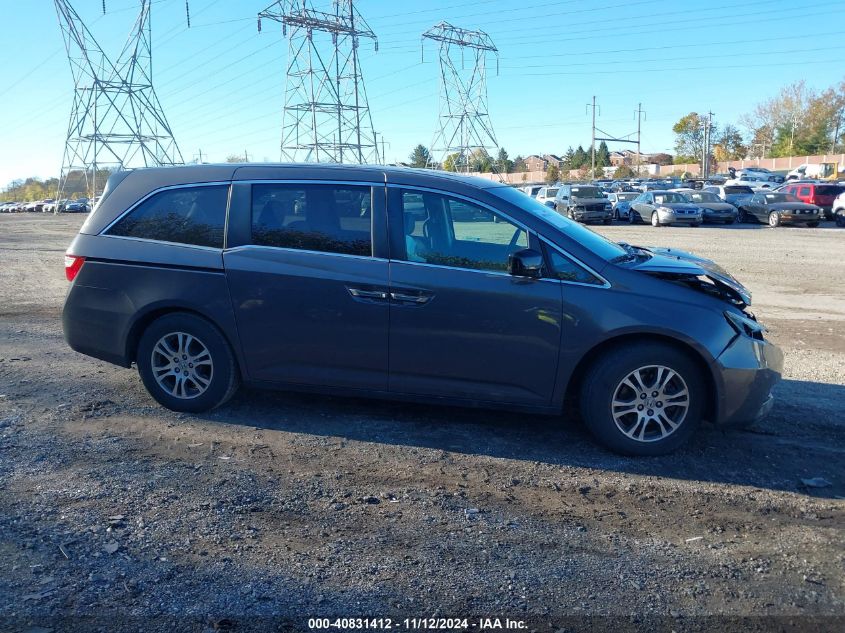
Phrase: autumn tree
pixel 552 174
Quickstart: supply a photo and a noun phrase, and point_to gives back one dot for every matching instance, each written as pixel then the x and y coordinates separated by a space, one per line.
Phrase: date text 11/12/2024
pixel 416 624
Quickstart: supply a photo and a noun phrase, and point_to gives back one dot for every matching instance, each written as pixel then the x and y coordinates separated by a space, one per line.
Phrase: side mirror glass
pixel 525 263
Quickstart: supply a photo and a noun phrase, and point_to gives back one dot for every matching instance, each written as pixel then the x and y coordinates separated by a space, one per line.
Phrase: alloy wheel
pixel 182 365
pixel 650 403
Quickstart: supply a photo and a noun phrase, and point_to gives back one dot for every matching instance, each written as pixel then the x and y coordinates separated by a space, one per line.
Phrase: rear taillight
pixel 73 264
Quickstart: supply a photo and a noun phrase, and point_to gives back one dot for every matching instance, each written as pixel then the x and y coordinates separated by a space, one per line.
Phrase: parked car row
pixel 49 205
pixel 799 203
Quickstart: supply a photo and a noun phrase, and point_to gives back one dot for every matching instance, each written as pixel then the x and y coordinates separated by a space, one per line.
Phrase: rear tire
pixel 812 225
pixel 638 431
pixel 774 219
pixel 186 364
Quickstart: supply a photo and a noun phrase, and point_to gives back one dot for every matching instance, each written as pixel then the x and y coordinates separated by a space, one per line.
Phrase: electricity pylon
pixel 117 121
pixel 326 117
pixel 464 120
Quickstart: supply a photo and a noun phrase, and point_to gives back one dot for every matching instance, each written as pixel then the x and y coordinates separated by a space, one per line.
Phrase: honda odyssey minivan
pixel 408 284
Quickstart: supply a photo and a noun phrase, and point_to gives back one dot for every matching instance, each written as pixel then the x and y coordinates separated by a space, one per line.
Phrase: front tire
pixel 620 408
pixel 655 219
pixel 186 364
pixel 741 216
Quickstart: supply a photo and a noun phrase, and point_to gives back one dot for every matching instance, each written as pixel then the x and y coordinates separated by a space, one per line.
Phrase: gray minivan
pixel 408 284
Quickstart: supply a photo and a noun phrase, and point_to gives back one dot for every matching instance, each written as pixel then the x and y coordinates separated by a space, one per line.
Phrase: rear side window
pixel 187 215
pixel 324 218
pixel 804 191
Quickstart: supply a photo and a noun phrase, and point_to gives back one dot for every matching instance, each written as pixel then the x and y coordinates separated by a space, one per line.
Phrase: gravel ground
pixel 118 515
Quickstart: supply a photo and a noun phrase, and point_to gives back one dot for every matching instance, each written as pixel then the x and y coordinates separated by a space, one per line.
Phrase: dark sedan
pixel 778 208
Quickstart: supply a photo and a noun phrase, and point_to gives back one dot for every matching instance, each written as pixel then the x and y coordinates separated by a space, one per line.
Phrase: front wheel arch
pixel 573 386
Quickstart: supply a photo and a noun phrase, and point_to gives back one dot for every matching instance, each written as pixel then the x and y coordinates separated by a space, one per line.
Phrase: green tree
pixel 453 162
pixel 623 171
pixel 519 164
pixel 580 158
pixel 503 164
pixel 602 155
pixel 552 174
pixel 419 157
pixel 569 159
pixel 689 137
pixel 728 144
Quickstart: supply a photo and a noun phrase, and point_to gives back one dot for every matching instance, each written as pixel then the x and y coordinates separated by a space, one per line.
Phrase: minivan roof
pixel 248 171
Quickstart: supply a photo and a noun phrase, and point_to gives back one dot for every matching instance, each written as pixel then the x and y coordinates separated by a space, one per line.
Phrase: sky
pixel 221 83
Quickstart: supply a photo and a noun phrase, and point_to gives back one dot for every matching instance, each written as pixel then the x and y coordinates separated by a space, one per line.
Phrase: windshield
pixel 738 189
pixel 551 193
pixel 704 196
pixel 587 192
pixel 780 197
pixel 669 198
pixel 597 244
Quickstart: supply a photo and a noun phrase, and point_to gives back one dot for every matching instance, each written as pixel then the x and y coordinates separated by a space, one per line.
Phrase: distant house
pixel 629 157
pixel 536 163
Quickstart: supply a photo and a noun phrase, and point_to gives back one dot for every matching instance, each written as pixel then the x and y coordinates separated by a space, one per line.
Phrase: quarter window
pixel 187 215
pixel 451 232
pixel 325 218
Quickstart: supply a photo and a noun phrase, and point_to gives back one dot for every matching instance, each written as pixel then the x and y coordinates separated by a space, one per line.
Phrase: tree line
pixel 798 121
pixel 33 188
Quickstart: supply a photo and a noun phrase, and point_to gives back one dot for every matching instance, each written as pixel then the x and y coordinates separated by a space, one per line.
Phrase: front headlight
pixel 608 207
pixel 745 326
pixel 665 209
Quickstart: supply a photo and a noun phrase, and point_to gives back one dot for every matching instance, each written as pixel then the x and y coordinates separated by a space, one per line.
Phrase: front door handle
pixel 362 293
pixel 405 297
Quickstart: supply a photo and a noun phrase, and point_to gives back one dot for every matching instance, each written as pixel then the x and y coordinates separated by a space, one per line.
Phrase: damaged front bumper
pixel 749 369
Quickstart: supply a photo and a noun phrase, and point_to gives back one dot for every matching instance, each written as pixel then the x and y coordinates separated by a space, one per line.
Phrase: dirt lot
pixel 116 514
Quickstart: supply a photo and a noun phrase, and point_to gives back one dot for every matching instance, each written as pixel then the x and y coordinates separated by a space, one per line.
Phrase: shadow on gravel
pixel 795 443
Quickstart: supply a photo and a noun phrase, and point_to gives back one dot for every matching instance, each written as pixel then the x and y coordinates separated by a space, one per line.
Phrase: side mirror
pixel 550 203
pixel 525 263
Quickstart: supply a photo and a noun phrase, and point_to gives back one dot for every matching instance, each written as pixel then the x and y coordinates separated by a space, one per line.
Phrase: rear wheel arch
pixel 139 326
pixel 597 352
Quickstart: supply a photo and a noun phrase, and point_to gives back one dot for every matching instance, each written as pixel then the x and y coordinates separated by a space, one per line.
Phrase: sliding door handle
pixel 409 298
pixel 362 293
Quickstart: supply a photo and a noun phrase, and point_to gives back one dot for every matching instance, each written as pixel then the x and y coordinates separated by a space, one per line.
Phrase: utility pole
pixel 836 132
pixel 639 114
pixel 705 159
pixel 792 133
pixel 593 143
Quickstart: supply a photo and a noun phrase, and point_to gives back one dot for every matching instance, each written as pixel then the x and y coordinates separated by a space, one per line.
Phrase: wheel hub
pixel 650 403
pixel 182 365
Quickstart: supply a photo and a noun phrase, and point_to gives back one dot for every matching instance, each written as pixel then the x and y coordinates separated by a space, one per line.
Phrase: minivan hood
pixel 674 262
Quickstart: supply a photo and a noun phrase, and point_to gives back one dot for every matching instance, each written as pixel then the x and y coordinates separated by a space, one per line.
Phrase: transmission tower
pixel 326 117
pixel 464 121
pixel 117 121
